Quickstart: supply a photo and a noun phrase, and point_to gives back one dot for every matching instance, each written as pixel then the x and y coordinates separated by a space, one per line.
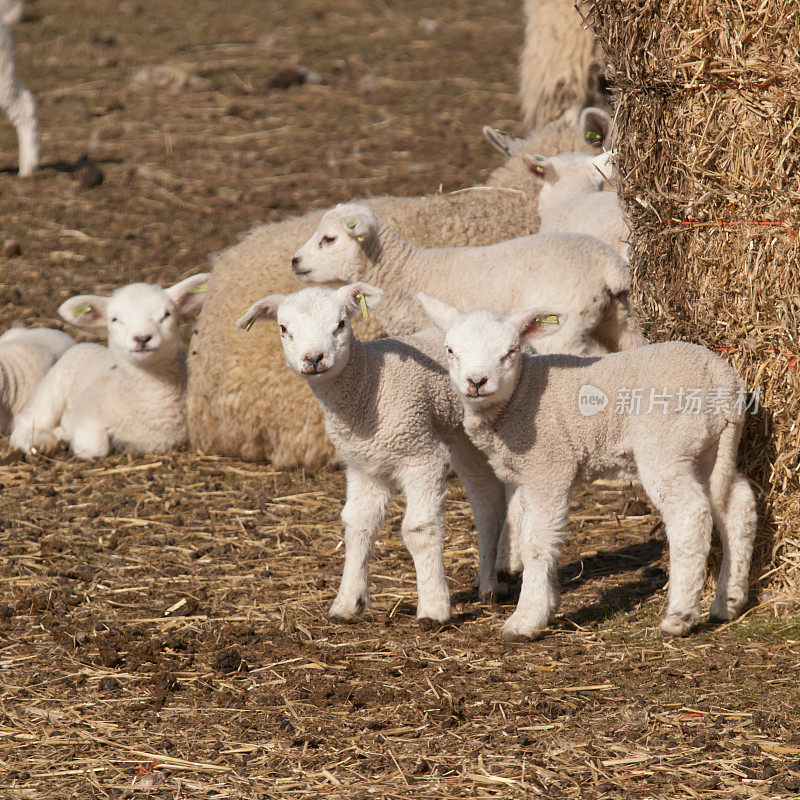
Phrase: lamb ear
pixel 359 225
pixel 596 127
pixel 537 322
pixel 188 295
pixel 442 315
pixel 540 166
pixel 503 142
pixel 360 296
pixel 85 311
pixel 265 308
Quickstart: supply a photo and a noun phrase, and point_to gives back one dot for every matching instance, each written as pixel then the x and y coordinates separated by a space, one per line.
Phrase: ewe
pixel 25 356
pixel 128 396
pixel 235 404
pixel 530 417
pixel 395 421
pixel 15 99
pixel 587 278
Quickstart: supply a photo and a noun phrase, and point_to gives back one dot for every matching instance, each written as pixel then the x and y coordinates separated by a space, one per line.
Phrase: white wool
pixel 127 396
pixel 528 416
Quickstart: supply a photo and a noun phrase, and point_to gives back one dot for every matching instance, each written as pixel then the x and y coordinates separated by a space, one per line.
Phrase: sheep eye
pixel 327 240
pixel 167 315
pixel 340 325
pixel 283 330
pixel 514 349
pixel 114 319
pixel 449 351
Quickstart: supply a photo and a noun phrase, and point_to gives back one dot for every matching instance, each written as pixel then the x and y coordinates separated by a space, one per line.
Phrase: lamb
pixel 235 404
pixel 546 421
pixel 25 356
pixel 394 420
pixel 589 279
pixel 561 64
pixel 128 396
pixel 572 198
pixel 15 99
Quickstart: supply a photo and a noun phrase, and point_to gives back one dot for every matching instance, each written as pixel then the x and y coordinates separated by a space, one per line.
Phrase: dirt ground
pixel 162 619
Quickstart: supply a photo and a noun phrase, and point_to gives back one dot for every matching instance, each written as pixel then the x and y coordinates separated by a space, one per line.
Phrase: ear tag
pixel 540 158
pixel 551 320
pixel 593 136
pixel 351 223
pixel 252 321
pixel 363 303
pixel 81 310
pixel 198 289
pixel 359 238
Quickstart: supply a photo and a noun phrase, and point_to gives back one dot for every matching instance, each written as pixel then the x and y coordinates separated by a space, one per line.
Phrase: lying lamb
pixel 26 354
pixel 572 198
pixel 128 396
pixel 15 99
pixel 588 279
pixel 394 420
pixel 546 421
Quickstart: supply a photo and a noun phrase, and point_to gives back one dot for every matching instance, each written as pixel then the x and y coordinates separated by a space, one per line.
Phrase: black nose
pixel 477 383
pixel 142 340
pixel 314 360
pixel 295 261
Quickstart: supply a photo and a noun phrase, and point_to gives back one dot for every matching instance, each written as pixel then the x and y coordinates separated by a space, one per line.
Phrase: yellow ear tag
pixel 351 223
pixel 81 310
pixel 363 303
pixel 252 321
pixel 551 320
pixel 360 238
pixel 198 289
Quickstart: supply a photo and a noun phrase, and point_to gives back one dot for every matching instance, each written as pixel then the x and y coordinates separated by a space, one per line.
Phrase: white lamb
pixel 573 199
pixel 545 422
pixel 584 275
pixel 15 99
pixel 394 420
pixel 26 354
pixel 128 396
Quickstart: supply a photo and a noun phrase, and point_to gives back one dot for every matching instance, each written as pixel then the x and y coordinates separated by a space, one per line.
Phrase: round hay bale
pixel 708 120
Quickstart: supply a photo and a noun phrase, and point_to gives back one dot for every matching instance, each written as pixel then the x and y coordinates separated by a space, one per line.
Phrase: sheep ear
pixel 265 308
pixel 85 311
pixel 540 166
pixel 503 142
pixel 442 315
pixel 360 296
pixel 596 127
pixel 359 225
pixel 188 295
pixel 537 322
pixel 603 165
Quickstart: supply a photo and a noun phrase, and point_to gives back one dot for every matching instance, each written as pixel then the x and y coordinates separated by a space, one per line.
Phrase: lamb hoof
pixel 342 612
pixel 725 610
pixel 518 631
pixel 676 625
pixel 428 624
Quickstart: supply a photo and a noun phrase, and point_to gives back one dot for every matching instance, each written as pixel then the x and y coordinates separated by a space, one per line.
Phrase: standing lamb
pixel 236 404
pixel 572 199
pixel 561 65
pixel 589 280
pixel 394 420
pixel 128 396
pixel 26 354
pixel 545 422
pixel 15 99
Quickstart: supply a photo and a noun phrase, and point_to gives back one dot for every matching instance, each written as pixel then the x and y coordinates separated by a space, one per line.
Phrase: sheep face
pixel 483 347
pixel 338 248
pixel 314 325
pixel 141 319
pixel 570 174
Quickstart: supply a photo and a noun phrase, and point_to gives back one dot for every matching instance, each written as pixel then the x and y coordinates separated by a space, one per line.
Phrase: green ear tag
pixel 502 133
pixel 593 136
pixel 363 303
pixel 360 238
pixel 252 321
pixel 81 310
pixel 551 320
pixel 198 289
pixel 351 223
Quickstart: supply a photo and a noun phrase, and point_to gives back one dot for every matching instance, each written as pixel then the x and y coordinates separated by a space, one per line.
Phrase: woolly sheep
pixel 572 198
pixel 394 420
pixel 582 273
pixel 25 356
pixel 128 396
pixel 239 403
pixel 561 64
pixel 546 421
pixel 15 99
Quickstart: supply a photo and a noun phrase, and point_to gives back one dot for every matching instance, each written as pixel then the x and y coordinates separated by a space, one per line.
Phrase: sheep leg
pixel 487 497
pixel 89 439
pixel 363 512
pixel 544 522
pixel 423 532
pixel 509 559
pixel 686 511
pixel 736 523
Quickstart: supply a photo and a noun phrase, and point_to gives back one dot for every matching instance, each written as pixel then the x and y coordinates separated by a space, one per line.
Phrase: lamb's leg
pixel 509 558
pixel 37 427
pixel 736 524
pixel 362 515
pixel 423 532
pixel 686 511
pixel 487 497
pixel 89 439
pixel 544 522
